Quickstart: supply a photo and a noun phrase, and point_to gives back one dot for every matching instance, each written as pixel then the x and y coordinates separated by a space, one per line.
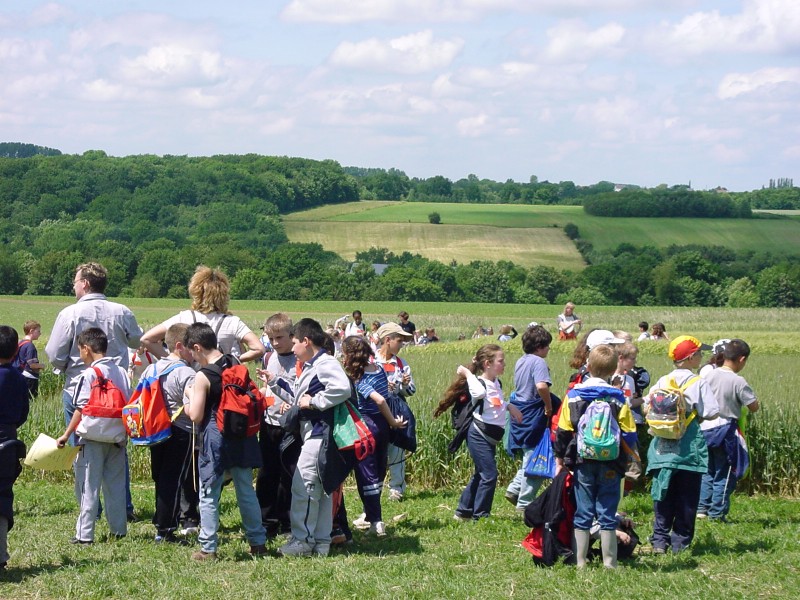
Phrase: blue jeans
pixel 249 509
pixel 476 499
pixel 718 484
pixel 525 488
pixel 69 410
pixel 597 493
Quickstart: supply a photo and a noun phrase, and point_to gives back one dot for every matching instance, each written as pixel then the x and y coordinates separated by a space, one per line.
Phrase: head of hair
pixel 716 359
pixel 487 352
pixel 9 339
pixel 210 290
pixel 95 275
pixel 736 349
pixel 30 326
pixel 376 325
pixel 200 334
pixel 506 329
pixel 311 329
pixel 659 329
pixel 402 314
pixel 581 352
pixel 329 345
pixel 569 305
pixel 644 325
pixel 457 391
pixel 535 338
pixel 175 334
pixel 93 338
pixel 356 313
pixel 356 354
pixel 602 361
pixel 277 323
pixel 623 335
pixel 627 350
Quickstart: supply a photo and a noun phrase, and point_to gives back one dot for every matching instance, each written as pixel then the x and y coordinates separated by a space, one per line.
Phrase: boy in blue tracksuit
pixel 597 482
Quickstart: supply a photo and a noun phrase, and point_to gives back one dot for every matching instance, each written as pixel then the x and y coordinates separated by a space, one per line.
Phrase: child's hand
pixel 305 401
pixel 406 379
pixel 62 441
pixel 392 386
pixel 265 375
pixel 515 413
pixel 463 371
pixel 399 423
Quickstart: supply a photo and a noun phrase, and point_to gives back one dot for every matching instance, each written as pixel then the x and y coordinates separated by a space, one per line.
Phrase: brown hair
pixel 175 334
pixel 581 352
pixel 210 290
pixel 95 275
pixel 459 390
pixel 278 322
pixel 627 350
pixel 356 354
pixel 30 326
pixel 602 361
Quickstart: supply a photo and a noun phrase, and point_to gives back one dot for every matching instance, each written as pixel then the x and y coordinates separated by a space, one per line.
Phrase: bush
pixel 571 231
pixel 435 218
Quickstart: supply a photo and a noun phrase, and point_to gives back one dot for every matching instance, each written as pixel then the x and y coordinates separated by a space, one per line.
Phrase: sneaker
pixel 295 547
pixel 702 515
pixel 170 538
pixel 659 550
pixel 377 529
pixel 258 550
pixel 361 522
pixel 81 542
pixel 322 550
pixel 395 495
pixel 201 556
pixel 190 530
pixel 338 536
pixel 462 518
pixel 513 498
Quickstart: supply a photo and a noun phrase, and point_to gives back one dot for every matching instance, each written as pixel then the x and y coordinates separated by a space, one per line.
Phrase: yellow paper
pixel 46 455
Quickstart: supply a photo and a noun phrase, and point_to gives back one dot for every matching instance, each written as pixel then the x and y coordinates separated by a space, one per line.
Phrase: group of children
pixel 694 469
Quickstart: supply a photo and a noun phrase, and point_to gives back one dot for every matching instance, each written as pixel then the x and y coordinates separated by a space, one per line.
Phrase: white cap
pixel 602 336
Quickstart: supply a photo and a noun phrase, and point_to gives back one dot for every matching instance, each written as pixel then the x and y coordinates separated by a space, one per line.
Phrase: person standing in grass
pixel 372 390
pixel 568 323
pixel 733 393
pixel 27 360
pixel 14 409
pixel 677 466
pixel 486 431
pixel 532 397
pixel 392 338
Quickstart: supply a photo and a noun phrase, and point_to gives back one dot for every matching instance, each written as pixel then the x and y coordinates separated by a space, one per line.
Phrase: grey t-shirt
pixel 174 385
pixel 530 370
pixel 731 390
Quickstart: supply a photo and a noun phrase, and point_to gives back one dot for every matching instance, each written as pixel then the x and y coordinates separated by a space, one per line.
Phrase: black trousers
pixel 171 467
pixel 274 481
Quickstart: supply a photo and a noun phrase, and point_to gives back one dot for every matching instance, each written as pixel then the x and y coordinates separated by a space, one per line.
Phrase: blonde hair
pixel 602 361
pixel 506 329
pixel 175 334
pixel 623 335
pixel 95 275
pixel 627 350
pixel 30 326
pixel 278 322
pixel 210 290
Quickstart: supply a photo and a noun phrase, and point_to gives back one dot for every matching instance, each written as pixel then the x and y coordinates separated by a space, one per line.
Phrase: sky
pixel 643 92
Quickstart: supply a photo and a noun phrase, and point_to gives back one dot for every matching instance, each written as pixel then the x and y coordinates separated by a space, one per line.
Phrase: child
pixel 597 481
pixel 274 480
pixel 677 466
pixel 173 462
pixel 532 384
pixel 507 333
pixel 27 359
pixel 220 454
pixel 13 413
pixel 643 333
pixel 392 338
pixel 486 431
pixel 732 393
pixel 372 390
pixel 659 332
pixel 102 457
pixel 356 326
pixel 717 358
pixel 320 386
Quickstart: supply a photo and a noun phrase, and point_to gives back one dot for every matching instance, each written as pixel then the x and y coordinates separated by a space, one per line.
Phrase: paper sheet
pixel 46 455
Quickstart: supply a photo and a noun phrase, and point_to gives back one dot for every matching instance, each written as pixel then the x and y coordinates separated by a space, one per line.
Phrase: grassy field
pixel 404 225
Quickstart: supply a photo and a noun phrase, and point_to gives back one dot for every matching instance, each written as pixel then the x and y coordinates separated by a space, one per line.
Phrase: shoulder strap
pixel 98 373
pixel 194 316
pixel 218 327
pixel 689 382
pixel 400 362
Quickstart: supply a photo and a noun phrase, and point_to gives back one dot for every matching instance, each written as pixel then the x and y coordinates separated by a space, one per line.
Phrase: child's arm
pixel 336 387
pixel 383 407
pixel 196 408
pixel 544 391
pixel 476 388
pixel 73 425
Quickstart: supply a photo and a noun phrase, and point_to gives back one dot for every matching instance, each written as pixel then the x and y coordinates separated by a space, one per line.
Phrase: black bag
pixel 404 437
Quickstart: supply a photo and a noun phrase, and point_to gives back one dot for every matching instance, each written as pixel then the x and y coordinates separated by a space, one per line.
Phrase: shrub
pixel 435 218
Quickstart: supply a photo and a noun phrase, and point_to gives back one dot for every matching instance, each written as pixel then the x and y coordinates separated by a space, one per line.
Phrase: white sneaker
pixel 377 529
pixel 322 549
pixel 295 547
pixel 361 522
pixel 395 495
pixel 190 530
pixel 458 517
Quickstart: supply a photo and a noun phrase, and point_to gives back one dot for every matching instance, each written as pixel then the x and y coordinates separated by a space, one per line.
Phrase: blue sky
pixel 630 91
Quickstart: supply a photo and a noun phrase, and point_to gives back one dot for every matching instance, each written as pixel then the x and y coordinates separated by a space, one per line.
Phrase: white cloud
pixel 475 126
pixel 413 53
pixel 574 41
pixel 173 66
pixel 728 154
pixel 736 84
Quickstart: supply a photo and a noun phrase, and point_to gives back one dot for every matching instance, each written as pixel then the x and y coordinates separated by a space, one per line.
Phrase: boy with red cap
pixel 677 465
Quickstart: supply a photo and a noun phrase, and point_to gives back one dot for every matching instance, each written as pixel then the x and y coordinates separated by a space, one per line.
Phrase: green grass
pixel 426 555
pixel 779 236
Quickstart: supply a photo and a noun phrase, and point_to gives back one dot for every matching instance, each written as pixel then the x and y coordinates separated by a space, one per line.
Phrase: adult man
pixel 92 309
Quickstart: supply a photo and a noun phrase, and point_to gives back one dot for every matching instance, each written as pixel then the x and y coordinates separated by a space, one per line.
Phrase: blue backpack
pixel 598 432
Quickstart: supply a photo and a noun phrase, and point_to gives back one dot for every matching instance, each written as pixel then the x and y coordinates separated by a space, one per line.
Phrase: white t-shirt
pixel 231 331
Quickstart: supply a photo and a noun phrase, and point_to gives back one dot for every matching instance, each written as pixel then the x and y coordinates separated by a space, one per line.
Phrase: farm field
pixel 382 221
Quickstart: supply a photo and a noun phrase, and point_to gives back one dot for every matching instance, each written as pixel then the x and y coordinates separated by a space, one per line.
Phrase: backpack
pixel 146 417
pixel 666 410
pixel 106 400
pixel 598 432
pixel 18 362
pixel 463 414
pixel 241 406
pixel 216 330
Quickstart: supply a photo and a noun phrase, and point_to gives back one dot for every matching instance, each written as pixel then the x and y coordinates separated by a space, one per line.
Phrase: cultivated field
pixel 349 228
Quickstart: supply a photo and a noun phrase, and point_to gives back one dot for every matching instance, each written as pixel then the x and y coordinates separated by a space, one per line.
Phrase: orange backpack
pixel 242 405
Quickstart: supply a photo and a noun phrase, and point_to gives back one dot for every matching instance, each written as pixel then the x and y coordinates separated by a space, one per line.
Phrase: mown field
pixel 529 235
pixel 427 554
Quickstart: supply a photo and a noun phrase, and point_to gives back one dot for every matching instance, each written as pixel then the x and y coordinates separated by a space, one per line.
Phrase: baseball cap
pixel 683 346
pixel 719 345
pixel 390 328
pixel 602 336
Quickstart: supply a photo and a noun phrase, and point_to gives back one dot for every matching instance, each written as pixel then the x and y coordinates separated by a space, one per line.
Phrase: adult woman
pixel 210 293
pixel 568 323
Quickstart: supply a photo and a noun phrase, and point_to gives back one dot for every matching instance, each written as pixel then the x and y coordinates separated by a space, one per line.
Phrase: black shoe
pixel 81 542
pixel 132 518
pixel 170 538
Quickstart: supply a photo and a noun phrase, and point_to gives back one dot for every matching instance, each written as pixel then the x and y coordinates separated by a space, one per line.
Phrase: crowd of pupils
pixel 308 372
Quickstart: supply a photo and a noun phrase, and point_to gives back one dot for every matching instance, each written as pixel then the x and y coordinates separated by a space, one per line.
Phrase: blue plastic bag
pixel 542 461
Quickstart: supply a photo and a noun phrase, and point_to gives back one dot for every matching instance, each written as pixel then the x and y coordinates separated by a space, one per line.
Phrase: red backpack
pixel 146 418
pixel 242 405
pixel 105 398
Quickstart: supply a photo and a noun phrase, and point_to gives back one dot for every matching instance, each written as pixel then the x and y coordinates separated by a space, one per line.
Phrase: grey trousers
pixel 312 509
pixel 100 465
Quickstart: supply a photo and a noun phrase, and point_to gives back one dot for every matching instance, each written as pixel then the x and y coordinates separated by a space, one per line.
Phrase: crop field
pixel 427 554
pixel 349 228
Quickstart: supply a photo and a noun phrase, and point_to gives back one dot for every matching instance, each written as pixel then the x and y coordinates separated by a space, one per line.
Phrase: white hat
pixel 392 328
pixel 602 336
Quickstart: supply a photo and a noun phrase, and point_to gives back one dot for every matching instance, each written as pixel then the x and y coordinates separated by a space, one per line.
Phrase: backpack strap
pixel 218 327
pixel 686 385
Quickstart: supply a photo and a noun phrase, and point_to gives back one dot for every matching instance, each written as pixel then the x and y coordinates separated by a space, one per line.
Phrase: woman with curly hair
pixel 372 389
